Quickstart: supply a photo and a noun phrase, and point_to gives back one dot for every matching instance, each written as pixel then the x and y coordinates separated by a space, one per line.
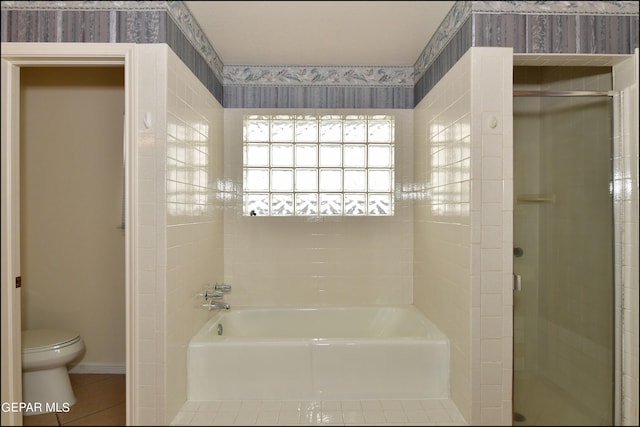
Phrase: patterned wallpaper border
pixel 279 75
pixel 549 25
pixel 447 30
pixel 192 31
pixel 462 10
pixel 84 5
pixel 177 10
pixel 310 75
pixel 558 7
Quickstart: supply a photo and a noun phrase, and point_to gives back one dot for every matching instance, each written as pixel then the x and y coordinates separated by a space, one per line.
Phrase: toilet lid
pixel 41 339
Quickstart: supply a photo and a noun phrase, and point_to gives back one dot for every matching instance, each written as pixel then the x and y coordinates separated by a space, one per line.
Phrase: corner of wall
pixel 492 234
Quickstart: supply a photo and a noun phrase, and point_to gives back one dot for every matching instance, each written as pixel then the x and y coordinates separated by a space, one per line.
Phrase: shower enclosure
pixel 563 258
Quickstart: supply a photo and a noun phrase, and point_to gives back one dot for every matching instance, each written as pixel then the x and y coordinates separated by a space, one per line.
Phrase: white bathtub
pixel 359 352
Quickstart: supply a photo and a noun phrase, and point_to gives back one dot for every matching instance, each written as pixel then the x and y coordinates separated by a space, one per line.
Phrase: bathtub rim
pixel 202 337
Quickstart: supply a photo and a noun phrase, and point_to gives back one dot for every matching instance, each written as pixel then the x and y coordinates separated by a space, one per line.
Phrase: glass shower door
pixel 563 260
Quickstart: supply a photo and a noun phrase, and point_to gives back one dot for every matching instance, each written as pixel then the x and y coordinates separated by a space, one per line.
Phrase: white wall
pixel 72 246
pixel 463 246
pixel 310 261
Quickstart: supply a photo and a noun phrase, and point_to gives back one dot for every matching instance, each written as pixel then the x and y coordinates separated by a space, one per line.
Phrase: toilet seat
pixel 37 340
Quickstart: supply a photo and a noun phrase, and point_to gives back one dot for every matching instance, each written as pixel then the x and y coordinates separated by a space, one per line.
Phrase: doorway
pixel 72 242
pixel 15 57
pixel 563 255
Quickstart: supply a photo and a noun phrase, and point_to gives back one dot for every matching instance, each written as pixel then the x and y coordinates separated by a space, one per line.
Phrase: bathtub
pixel 309 353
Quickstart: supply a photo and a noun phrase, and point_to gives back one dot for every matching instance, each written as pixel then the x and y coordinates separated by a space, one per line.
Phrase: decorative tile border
pixel 260 75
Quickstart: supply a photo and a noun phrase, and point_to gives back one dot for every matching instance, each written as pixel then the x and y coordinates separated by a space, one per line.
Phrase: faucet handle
pixel 216 295
pixel 208 293
pixel 222 287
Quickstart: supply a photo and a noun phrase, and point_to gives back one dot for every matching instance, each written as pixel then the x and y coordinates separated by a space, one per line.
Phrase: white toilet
pixel 45 378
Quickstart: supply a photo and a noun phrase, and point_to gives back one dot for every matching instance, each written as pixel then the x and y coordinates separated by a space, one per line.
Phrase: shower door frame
pixel 625 73
pixel 14 56
pixel 614 99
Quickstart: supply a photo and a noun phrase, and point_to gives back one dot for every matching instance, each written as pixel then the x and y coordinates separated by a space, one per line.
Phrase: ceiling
pixel 338 33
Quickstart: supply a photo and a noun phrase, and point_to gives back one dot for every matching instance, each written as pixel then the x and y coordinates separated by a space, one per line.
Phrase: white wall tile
pixel 330 260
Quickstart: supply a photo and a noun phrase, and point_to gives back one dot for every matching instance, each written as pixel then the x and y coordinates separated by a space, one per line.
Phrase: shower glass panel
pixel 563 258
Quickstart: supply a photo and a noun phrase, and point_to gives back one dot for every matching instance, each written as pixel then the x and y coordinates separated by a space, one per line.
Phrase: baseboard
pixel 97 368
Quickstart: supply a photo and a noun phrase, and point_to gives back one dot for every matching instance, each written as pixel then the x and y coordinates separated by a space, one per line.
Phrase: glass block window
pixel 340 165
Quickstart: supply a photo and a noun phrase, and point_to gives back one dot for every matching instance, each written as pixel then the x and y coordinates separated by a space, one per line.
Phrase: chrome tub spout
pixel 217 305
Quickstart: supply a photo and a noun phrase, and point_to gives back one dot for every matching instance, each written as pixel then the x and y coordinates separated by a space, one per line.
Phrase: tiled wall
pixel 310 261
pixel 442 219
pixel 150 287
pixel 463 238
pixel 491 235
pixel 180 224
pixel 626 178
pixel 194 170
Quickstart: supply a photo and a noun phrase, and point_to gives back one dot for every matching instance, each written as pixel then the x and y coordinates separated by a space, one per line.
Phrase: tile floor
pixel 344 412
pixel 101 401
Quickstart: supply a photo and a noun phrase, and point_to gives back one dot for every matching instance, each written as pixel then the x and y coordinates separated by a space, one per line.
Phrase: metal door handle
pixel 517 282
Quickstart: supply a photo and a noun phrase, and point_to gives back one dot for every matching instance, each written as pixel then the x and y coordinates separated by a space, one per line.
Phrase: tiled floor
pixel 101 401
pixel 345 412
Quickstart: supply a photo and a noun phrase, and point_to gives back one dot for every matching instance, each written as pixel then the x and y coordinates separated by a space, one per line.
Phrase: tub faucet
pixel 217 305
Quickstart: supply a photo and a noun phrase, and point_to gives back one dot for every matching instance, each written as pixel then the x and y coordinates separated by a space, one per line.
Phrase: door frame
pixel 13 57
